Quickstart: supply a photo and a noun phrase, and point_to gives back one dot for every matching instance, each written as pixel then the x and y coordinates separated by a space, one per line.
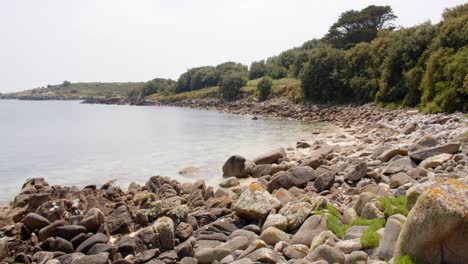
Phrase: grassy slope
pixel 92 89
pixel 286 87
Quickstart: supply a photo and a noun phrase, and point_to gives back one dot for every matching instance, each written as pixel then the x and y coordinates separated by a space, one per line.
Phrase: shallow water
pixel 70 143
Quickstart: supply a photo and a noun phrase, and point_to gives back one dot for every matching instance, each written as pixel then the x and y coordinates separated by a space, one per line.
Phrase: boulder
pixel 402 164
pixel 435 161
pixel 69 231
pixel 327 253
pixel 392 230
pixel 313 226
pixel 271 157
pixel 209 255
pixel 4 251
pixel 273 235
pixel 356 172
pixel 297 251
pixel 235 166
pixel 426 141
pixel 229 182
pixel 390 153
pixel 357 257
pixel 296 213
pixel 436 230
pixel 264 255
pixel 296 177
pixel 400 179
pixel 255 203
pixel 423 154
pixel 325 178
pixel 91 241
pixel 93 220
pixel 276 220
pixel 267 169
pixel 164 227
pixel 34 221
pixel 409 128
pixel 101 258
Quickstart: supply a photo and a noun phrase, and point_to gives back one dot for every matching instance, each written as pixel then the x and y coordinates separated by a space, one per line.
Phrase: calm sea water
pixel 70 143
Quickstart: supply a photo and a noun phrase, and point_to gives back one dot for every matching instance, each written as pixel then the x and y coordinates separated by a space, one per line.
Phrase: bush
pixel 264 88
pixel 231 84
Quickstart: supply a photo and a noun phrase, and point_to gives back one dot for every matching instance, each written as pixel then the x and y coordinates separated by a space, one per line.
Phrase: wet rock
pixel 236 166
pixel 270 157
pixel 445 209
pixel 255 203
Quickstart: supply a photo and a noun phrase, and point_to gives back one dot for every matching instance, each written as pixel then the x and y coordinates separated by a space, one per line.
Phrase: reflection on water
pixel 77 144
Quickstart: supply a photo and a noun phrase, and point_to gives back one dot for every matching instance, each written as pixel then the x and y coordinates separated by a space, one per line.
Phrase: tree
pixel 360 26
pixel 264 88
pixel 230 85
pixel 257 69
pixel 66 84
pixel 323 80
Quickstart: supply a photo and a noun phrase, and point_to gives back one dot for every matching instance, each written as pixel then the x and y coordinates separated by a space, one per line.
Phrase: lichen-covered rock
pixel 363 198
pixel 296 213
pixel 436 230
pixel 255 203
pixel 165 229
pixel 276 220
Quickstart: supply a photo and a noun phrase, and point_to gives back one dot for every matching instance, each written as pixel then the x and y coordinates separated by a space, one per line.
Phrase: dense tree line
pixel 364 59
pixel 207 76
pixel 158 85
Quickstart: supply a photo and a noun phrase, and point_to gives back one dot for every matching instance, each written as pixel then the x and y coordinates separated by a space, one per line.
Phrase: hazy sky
pixel 48 41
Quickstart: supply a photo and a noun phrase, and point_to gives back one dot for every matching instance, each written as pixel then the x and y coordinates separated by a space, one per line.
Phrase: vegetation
pixel 158 85
pixel 404 260
pixel 81 90
pixel 393 206
pixel 363 58
pixel 264 88
pixel 231 84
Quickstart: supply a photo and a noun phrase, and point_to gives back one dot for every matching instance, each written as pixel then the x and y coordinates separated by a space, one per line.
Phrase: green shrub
pixel 393 206
pixel 264 88
pixel 370 238
pixel 231 84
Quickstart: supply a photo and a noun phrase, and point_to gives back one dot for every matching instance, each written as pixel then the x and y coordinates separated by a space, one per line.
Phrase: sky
pixel 49 41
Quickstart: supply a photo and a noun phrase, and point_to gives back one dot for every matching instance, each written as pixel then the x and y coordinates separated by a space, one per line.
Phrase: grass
pixel 83 89
pixel 393 206
pixel 210 92
pixel 370 238
pixel 404 260
pixel 333 221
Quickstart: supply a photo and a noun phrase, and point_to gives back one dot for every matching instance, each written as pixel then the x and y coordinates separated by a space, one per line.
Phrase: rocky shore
pixel 389 187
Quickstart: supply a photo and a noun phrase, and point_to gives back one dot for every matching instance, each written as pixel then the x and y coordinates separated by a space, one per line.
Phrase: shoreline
pixel 267 206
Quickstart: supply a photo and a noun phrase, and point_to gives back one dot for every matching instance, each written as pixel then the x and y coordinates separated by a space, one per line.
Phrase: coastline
pixel 371 156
